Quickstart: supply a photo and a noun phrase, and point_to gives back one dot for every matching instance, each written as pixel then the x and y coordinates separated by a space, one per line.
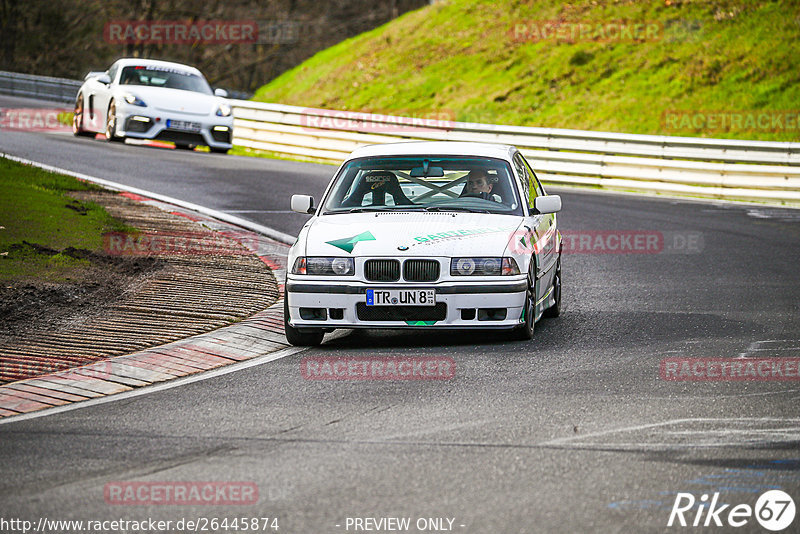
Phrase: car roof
pixel 125 62
pixel 436 148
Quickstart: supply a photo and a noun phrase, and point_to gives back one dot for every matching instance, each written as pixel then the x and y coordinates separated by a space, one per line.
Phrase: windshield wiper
pixel 362 210
pixel 466 210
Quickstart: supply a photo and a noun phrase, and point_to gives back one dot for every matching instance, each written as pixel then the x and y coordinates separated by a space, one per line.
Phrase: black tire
pixel 524 332
pixel 77 120
pixel 218 150
pixel 296 337
pixel 111 125
pixel 183 146
pixel 555 309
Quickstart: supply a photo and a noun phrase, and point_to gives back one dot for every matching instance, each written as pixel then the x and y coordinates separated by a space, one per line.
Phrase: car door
pixel 542 228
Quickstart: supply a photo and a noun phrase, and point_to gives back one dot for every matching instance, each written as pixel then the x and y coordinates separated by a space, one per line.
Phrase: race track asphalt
pixel 574 431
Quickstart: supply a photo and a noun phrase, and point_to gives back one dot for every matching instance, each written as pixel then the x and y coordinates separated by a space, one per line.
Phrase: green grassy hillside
pixel 494 62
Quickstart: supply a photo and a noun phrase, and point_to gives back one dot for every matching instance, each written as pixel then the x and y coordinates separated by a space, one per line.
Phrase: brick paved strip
pixel 46 392
pixel 168 363
pixel 28 395
pixel 20 405
pixel 71 378
pixel 119 376
pixel 59 385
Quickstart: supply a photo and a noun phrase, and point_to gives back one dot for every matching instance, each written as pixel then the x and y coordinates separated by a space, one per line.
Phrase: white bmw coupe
pixel 149 99
pixel 426 235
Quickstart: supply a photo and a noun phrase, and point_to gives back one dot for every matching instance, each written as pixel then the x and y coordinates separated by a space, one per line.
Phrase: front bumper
pixel 328 304
pixel 143 123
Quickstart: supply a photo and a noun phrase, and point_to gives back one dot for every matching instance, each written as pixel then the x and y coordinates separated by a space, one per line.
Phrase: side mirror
pixel 104 79
pixel 303 204
pixel 546 204
pixel 221 92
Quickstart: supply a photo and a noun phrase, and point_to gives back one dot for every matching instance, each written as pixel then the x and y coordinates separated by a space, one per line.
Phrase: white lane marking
pixel 269 232
pixel 758 346
pixel 232 368
pixel 576 440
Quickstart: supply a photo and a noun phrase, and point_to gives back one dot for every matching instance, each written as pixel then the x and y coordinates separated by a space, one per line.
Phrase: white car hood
pixel 174 100
pixel 424 234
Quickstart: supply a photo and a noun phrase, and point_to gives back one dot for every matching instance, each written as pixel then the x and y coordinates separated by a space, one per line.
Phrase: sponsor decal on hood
pixel 348 243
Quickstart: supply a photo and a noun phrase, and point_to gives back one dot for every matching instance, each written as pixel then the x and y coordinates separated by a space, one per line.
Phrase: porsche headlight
pixel 223 110
pixel 324 266
pixel 134 100
pixel 483 267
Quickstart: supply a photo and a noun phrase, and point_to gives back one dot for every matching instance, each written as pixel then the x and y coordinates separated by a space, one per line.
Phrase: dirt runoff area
pixel 117 304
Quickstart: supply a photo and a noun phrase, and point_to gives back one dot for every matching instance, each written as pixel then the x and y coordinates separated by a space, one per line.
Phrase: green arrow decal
pixel 348 243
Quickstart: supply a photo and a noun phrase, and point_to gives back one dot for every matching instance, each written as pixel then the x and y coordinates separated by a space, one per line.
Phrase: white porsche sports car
pixel 426 235
pixel 149 99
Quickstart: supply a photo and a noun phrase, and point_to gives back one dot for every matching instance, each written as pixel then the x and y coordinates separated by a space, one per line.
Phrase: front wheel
pixel 524 332
pixel 111 125
pixel 296 337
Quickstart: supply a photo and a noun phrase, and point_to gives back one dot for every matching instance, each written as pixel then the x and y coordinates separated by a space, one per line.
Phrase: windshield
pixel 165 77
pixel 431 183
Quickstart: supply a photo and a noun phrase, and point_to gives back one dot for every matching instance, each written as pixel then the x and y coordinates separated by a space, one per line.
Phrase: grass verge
pixel 43 230
pixel 710 68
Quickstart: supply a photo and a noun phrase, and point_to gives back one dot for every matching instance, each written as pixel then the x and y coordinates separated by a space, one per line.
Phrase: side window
pixel 112 72
pixel 519 166
pixel 535 184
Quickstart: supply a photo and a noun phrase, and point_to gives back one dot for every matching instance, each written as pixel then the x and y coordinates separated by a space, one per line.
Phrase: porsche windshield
pixel 164 77
pixel 432 183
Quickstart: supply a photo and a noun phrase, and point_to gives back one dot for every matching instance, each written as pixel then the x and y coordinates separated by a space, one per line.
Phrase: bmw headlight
pixel 324 266
pixel 134 100
pixel 483 267
pixel 224 110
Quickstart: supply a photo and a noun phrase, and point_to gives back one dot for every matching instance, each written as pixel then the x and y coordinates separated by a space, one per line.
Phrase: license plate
pixel 401 297
pixel 183 125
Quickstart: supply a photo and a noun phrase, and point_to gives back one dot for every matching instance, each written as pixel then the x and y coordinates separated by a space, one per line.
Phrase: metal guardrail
pixel 39 87
pixel 716 168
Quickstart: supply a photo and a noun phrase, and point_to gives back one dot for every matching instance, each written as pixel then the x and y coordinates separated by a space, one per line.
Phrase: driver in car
pixel 479 184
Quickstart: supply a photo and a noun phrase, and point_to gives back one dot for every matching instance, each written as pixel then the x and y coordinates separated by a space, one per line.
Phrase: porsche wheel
pixel 111 125
pixel 77 120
